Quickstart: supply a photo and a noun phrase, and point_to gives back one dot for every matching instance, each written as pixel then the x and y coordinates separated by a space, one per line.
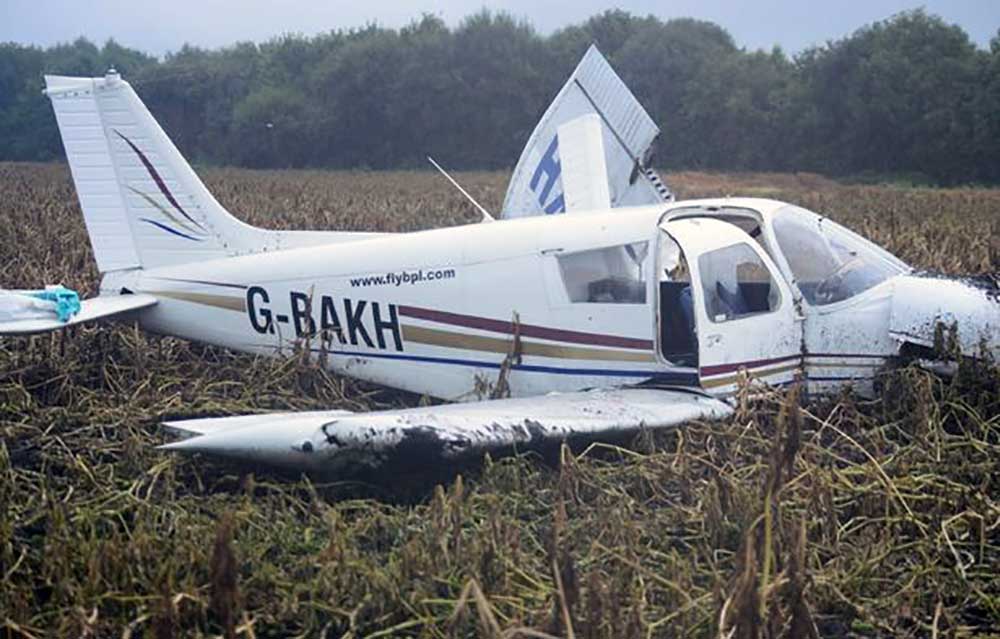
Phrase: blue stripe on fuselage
pixel 677 377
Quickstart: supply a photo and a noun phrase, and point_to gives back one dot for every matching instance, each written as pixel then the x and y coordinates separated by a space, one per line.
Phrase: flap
pixel 93 309
pixel 425 435
pixel 584 172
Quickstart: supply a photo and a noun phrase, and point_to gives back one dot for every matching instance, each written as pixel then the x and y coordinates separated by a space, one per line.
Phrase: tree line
pixel 911 96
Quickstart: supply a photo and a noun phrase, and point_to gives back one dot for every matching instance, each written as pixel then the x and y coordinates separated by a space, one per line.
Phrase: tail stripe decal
pixel 161 209
pixel 159 181
pixel 170 230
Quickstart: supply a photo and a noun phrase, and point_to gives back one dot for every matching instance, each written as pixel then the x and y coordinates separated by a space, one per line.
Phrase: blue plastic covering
pixel 67 301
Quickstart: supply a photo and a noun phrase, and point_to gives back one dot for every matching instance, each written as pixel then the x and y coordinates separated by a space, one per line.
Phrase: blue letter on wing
pixel 549 167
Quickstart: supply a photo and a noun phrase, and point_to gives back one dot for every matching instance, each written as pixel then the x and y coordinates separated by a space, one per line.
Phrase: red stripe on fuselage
pixel 708 371
pixel 526 330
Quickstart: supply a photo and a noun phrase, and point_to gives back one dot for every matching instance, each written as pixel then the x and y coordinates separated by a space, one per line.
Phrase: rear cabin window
pixel 611 275
pixel 736 283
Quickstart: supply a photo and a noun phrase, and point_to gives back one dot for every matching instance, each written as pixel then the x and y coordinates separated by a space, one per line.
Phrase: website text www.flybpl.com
pixel 398 278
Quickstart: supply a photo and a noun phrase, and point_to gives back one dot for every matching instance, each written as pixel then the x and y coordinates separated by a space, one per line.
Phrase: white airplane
pixel 597 305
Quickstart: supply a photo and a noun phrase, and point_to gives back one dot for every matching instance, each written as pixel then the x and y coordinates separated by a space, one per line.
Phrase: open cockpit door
pixel 717 278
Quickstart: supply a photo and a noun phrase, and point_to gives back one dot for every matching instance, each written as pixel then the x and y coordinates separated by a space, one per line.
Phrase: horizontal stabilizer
pixel 93 309
pixel 337 442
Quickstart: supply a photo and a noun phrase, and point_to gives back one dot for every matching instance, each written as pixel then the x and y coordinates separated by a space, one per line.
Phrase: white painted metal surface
pixel 584 171
pixel 349 442
pixel 437 292
pixel 921 302
pixel 77 104
pixel 217 425
pixel 143 204
pixel 766 346
pixel 537 184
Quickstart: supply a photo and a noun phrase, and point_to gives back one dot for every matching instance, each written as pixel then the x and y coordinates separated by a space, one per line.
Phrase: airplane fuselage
pixel 449 312
pixel 390 309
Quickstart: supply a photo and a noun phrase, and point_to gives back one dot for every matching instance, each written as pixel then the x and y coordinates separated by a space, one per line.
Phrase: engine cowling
pixel 922 303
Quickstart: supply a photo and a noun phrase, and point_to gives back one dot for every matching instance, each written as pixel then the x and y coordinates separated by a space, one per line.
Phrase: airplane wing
pixel 27 321
pixel 558 157
pixel 337 441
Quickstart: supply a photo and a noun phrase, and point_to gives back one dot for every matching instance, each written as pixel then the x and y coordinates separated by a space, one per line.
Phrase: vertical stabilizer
pixel 143 204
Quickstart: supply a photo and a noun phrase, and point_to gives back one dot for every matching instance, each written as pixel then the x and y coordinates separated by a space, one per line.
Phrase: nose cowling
pixel 922 303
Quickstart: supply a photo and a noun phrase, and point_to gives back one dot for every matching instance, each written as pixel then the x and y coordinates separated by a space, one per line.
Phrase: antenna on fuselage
pixel 486 214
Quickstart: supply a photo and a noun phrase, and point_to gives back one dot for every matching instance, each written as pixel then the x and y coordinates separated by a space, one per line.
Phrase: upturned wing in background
pixel 565 152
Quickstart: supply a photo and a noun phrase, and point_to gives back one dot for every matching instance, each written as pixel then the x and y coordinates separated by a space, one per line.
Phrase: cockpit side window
pixel 736 283
pixel 610 275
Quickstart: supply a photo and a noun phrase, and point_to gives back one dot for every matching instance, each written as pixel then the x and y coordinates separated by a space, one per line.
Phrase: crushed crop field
pixel 837 518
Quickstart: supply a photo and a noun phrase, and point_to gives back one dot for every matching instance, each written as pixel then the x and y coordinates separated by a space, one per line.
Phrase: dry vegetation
pixel 845 518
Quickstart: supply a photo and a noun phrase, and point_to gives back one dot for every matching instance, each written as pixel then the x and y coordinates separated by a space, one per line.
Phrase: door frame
pixel 771 352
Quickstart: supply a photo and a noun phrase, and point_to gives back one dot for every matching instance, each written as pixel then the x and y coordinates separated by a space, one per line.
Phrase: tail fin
pixel 143 204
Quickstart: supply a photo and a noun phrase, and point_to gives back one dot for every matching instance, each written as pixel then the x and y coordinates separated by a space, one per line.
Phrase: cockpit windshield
pixel 828 262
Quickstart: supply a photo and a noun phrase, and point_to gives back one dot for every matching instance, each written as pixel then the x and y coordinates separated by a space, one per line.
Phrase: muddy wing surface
pixel 337 441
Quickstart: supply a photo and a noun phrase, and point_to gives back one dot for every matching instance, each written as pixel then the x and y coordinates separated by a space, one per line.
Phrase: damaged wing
pixel 336 441
pixel 560 154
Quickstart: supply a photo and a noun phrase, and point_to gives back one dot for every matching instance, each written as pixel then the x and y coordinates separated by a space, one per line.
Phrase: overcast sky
pixel 158 27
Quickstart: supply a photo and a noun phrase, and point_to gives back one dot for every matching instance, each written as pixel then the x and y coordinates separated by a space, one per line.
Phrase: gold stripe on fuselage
pixel 843 365
pixel 226 302
pixel 449 339
pixel 732 378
